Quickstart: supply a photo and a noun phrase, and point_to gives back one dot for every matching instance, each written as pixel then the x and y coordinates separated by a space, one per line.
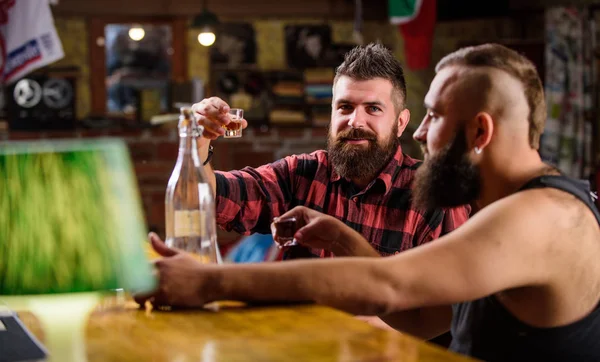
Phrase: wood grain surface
pixel 119 331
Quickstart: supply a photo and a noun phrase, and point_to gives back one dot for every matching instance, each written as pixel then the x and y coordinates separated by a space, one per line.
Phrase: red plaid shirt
pixel 248 199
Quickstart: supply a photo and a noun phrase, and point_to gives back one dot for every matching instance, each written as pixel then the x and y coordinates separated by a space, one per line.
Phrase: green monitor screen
pixel 70 218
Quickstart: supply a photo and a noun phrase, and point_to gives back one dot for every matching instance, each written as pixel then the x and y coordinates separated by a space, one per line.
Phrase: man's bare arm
pixel 498 249
pixel 425 323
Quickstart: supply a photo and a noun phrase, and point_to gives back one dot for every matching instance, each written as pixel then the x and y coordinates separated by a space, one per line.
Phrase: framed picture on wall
pixel 307 45
pixel 235 45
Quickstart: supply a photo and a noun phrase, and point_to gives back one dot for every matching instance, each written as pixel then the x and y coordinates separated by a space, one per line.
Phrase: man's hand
pixel 211 113
pixel 319 231
pixel 183 281
pixel 314 229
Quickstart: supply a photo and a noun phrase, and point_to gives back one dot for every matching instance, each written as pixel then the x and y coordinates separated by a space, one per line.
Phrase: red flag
pixel 418 36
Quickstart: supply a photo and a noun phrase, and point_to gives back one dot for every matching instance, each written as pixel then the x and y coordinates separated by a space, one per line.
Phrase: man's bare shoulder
pixel 546 219
pixel 560 234
pixel 567 210
pixel 541 215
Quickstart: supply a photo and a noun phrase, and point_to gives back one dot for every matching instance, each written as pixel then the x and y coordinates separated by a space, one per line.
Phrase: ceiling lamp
pixel 206 22
pixel 136 33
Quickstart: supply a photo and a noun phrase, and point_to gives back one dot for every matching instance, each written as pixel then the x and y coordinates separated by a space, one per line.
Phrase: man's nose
pixel 420 134
pixel 357 120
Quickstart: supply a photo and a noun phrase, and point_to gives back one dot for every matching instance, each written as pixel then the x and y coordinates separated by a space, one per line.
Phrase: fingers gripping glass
pixel 285 230
pixel 234 128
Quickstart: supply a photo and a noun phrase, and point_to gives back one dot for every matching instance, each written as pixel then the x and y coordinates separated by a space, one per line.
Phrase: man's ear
pixel 403 120
pixel 484 129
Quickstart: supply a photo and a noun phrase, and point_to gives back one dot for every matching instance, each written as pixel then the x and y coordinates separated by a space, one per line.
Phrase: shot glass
pixel 234 128
pixel 285 229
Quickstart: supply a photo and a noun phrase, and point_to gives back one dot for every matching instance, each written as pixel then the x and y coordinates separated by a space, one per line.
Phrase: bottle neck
pixel 188 150
pixel 185 139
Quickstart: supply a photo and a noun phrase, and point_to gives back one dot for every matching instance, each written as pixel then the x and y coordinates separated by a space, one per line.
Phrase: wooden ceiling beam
pixel 228 9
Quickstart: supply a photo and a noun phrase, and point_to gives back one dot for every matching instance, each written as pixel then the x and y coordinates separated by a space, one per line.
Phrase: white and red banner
pixel 28 38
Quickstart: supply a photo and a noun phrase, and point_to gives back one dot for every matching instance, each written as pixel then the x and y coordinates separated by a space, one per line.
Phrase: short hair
pixel 375 61
pixel 500 57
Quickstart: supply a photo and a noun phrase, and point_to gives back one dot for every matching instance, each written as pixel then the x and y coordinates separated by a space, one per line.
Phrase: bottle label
pixel 187 223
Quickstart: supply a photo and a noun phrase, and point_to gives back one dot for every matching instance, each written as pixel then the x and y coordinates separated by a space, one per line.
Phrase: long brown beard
pixel 358 162
pixel 447 179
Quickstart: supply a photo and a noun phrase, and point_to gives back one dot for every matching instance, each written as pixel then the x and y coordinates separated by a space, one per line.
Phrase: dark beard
pixel 447 179
pixel 358 162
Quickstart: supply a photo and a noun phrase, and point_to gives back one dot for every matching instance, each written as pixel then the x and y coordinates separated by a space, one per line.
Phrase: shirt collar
pixel 386 175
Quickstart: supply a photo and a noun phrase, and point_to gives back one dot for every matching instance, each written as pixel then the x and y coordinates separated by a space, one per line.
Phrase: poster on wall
pixel 566 141
pixel 306 45
pixel 234 46
pixel 311 46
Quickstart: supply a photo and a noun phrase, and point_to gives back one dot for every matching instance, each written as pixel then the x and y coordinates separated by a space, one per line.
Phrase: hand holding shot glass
pixel 311 229
pixel 234 128
pixel 284 230
pixel 218 119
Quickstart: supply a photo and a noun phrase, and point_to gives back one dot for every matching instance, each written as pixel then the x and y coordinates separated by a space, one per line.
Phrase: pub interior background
pixel 129 64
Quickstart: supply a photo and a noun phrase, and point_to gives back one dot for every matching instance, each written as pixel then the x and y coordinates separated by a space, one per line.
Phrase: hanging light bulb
pixel 136 33
pixel 206 22
pixel 206 37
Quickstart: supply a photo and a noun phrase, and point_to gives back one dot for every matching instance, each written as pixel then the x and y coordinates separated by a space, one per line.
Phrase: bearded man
pixel 363 178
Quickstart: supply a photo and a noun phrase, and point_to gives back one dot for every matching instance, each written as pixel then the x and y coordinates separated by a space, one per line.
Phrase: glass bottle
pixel 189 202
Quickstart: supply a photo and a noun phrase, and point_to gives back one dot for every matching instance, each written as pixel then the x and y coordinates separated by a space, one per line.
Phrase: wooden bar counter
pixel 122 332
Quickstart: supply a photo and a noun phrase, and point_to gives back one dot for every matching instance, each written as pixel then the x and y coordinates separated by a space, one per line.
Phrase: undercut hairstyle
pixel 500 57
